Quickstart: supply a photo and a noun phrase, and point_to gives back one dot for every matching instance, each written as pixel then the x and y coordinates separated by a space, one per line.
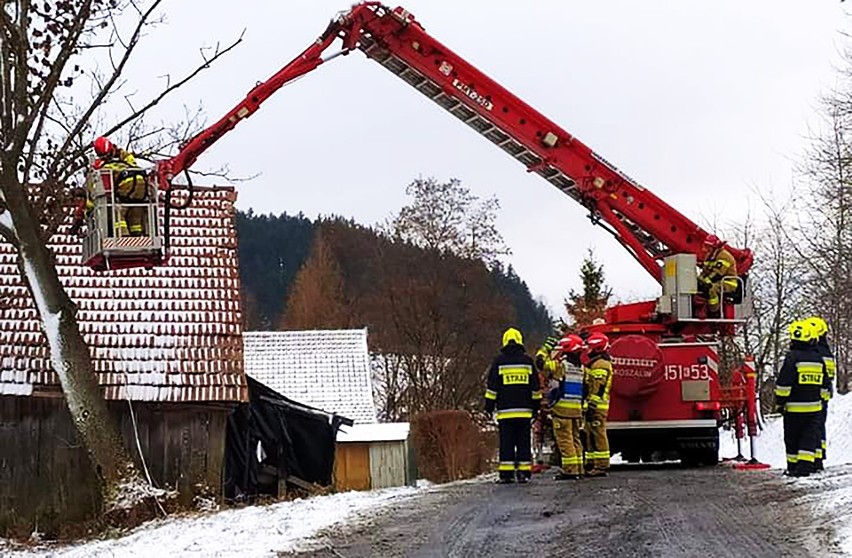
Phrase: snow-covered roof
pixel 173 333
pixel 379 432
pixel 327 369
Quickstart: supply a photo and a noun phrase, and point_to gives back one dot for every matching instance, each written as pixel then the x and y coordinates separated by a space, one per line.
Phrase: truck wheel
pixel 630 456
pixel 699 458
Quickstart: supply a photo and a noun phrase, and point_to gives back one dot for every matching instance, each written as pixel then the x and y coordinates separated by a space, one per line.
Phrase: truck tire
pixel 631 456
pixel 699 457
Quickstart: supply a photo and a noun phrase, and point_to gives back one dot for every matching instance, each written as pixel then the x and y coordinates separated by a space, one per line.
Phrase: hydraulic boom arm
pixel 649 228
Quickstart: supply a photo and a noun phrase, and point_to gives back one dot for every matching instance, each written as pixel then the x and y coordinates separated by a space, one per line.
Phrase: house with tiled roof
pixel 331 370
pixel 166 340
pixel 326 369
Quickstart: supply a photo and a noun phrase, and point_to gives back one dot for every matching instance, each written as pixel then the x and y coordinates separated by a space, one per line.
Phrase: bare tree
pixel 777 288
pixel 823 231
pixel 52 94
pixel 445 216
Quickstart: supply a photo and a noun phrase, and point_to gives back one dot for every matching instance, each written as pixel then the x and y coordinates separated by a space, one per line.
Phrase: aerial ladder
pixel 680 346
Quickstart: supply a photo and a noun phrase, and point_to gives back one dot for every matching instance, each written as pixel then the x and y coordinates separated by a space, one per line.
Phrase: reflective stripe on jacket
pixel 598 381
pixel 570 401
pixel 801 380
pixel 512 387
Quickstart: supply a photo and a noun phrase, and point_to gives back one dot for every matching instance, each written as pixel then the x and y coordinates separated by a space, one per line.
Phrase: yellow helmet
pixel 819 325
pixel 802 331
pixel 512 335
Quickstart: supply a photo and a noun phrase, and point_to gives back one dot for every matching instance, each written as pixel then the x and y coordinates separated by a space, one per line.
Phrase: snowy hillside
pixel 770 443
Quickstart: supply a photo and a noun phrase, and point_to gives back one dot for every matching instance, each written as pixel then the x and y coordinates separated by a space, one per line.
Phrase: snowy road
pixel 646 511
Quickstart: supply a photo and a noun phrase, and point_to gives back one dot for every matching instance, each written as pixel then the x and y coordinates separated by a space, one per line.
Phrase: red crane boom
pixel 667 394
pixel 647 226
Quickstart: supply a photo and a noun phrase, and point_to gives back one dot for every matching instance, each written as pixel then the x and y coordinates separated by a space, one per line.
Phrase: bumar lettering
pixel 471 93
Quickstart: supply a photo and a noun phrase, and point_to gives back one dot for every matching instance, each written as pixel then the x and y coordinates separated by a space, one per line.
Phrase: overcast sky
pixel 701 102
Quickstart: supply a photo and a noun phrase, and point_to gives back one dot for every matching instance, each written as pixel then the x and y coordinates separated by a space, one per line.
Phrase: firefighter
pixel 718 273
pixel 543 356
pixel 798 396
pixel 130 186
pixel 597 384
pixel 513 391
pixel 543 423
pixel 567 407
pixel 822 346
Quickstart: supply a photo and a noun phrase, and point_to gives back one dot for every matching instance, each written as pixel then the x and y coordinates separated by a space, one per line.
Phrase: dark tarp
pixel 273 438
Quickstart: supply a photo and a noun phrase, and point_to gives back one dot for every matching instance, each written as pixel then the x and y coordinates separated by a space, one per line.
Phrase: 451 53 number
pixel 674 372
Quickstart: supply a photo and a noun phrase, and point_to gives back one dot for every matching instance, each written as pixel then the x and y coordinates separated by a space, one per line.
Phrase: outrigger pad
pixel 751 466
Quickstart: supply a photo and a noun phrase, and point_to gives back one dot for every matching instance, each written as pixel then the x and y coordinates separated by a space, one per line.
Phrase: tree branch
pixel 106 88
pixel 155 101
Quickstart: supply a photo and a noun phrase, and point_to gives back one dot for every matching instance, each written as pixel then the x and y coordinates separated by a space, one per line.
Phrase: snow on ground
pixel 251 531
pixel 828 498
pixel 770 442
pixel 828 495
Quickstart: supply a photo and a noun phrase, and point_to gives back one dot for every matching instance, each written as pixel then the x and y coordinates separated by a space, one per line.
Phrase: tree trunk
pixel 69 354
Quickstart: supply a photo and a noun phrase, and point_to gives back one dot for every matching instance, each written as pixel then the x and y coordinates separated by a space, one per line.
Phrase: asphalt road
pixel 659 511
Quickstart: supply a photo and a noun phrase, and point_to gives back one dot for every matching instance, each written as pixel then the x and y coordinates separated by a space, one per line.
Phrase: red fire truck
pixel 667 395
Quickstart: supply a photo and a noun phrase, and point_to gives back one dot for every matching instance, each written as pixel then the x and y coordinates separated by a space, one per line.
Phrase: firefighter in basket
pixel 718 273
pixel 130 188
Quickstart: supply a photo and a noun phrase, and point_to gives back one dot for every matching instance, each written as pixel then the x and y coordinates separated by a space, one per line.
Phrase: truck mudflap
pixel 693 442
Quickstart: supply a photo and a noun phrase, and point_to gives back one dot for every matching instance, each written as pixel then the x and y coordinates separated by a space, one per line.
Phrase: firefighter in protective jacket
pixel 798 396
pixel 718 272
pixel 129 183
pixel 823 348
pixel 567 408
pixel 542 425
pixel 598 381
pixel 513 391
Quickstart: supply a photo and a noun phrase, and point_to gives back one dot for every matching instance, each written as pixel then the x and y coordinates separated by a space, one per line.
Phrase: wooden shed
pixel 168 341
pixel 371 456
pixel 331 370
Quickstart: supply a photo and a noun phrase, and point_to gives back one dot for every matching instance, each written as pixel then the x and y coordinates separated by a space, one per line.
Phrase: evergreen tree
pixel 316 300
pixel 532 316
pixel 585 307
pixel 272 249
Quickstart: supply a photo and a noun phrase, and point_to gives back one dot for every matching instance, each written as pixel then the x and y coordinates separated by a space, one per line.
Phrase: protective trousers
pixel 131 190
pixel 597 452
pixel 717 289
pixel 820 453
pixel 515 448
pixel 567 434
pixel 801 439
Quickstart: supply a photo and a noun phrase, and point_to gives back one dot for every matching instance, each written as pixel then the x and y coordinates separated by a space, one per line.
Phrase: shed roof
pixel 327 369
pixel 171 334
pixel 379 432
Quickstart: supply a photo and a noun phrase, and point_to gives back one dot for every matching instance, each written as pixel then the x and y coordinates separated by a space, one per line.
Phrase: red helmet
pixel 597 342
pixel 102 146
pixel 570 343
pixel 712 241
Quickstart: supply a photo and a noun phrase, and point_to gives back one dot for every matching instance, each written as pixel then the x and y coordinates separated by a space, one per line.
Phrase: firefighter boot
pixel 593 472
pixel 565 476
